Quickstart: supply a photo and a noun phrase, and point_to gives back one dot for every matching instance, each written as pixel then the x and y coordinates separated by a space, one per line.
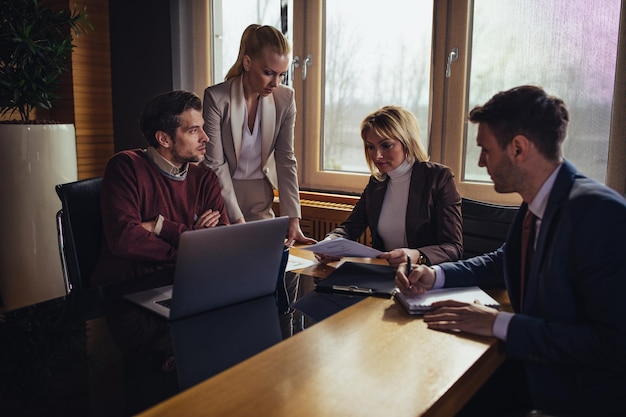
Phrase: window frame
pixel 616 166
pixel 452 24
pixel 309 95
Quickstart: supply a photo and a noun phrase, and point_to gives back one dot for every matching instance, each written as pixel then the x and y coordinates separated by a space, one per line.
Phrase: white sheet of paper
pixel 340 247
pixel 296 262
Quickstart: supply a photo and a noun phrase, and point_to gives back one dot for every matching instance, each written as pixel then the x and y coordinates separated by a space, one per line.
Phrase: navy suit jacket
pixel 571 332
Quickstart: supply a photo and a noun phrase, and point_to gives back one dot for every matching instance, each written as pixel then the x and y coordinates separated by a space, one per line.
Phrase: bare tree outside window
pixel 374 56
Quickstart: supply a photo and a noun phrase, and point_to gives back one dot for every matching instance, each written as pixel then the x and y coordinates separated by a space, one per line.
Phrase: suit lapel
pixel 237 114
pixel 268 122
pixel 558 196
pixel 374 205
pixel 512 258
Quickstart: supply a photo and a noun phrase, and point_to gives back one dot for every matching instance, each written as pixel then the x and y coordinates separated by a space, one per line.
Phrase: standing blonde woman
pixel 250 120
pixel 411 206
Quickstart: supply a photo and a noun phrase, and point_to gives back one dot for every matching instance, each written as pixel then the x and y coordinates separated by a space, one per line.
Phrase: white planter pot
pixel 34 159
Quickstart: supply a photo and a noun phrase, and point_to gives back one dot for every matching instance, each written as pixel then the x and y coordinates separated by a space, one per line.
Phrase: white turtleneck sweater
pixel 392 220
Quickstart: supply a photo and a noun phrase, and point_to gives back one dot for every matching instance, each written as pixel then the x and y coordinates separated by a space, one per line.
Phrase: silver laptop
pixel 220 266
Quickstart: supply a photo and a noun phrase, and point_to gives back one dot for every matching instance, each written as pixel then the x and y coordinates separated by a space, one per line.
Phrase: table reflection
pixel 209 343
pixel 93 353
pixel 162 358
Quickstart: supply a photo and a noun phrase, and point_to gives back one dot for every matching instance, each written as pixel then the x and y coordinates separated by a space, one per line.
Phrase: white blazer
pixel 224 111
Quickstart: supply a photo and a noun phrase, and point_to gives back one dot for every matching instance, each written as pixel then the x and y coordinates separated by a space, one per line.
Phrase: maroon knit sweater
pixel 134 190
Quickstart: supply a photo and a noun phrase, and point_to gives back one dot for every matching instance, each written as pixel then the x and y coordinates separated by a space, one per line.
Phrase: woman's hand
pixel 325 259
pixel 399 256
pixel 295 234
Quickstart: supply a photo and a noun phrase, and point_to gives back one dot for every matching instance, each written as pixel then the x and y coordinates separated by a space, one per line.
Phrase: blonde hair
pixel 394 122
pixel 254 40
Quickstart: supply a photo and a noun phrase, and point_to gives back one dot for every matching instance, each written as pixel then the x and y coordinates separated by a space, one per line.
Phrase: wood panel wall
pixel 86 96
pixel 91 81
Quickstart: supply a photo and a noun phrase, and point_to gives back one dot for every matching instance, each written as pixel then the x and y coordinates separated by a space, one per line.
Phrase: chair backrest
pixel 485 226
pixel 79 225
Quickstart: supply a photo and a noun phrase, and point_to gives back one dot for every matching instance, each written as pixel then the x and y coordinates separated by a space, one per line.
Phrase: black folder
pixel 360 279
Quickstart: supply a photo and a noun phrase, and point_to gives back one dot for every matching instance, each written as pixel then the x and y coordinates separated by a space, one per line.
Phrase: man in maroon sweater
pixel 150 196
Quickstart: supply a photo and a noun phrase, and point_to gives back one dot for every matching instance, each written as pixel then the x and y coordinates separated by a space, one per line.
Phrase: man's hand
pixel 209 218
pixel 149 226
pixel 453 315
pixel 420 280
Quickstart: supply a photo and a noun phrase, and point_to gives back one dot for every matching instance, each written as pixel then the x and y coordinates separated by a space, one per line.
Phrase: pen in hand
pixel 408 271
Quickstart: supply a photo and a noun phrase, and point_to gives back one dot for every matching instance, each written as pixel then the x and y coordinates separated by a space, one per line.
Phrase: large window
pixel 439 59
pixel 571 51
pixel 380 56
pixel 569 48
pixel 230 19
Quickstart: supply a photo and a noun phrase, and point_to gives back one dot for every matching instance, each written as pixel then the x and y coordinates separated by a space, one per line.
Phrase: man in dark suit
pixel 568 329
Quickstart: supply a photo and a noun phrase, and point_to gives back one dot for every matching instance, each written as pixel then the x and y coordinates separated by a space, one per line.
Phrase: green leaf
pixel 36 43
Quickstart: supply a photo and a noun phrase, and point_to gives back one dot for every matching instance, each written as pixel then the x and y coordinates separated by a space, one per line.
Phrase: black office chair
pixel 485 226
pixel 79 226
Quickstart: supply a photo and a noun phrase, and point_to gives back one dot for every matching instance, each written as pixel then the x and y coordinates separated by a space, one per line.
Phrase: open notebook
pixel 419 304
pixel 220 266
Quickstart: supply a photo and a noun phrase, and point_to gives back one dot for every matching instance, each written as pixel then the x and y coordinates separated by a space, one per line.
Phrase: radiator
pixel 320 217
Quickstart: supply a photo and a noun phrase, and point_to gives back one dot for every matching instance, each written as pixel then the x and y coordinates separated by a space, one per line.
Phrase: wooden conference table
pixel 371 359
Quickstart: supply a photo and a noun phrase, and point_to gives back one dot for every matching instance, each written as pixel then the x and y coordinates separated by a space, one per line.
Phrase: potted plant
pixel 36 43
pixel 35 46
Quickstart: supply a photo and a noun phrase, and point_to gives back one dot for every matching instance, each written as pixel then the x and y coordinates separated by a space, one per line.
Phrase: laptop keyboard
pixel 165 303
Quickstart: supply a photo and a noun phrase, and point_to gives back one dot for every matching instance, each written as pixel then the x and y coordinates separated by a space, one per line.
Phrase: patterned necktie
pixel 528 238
